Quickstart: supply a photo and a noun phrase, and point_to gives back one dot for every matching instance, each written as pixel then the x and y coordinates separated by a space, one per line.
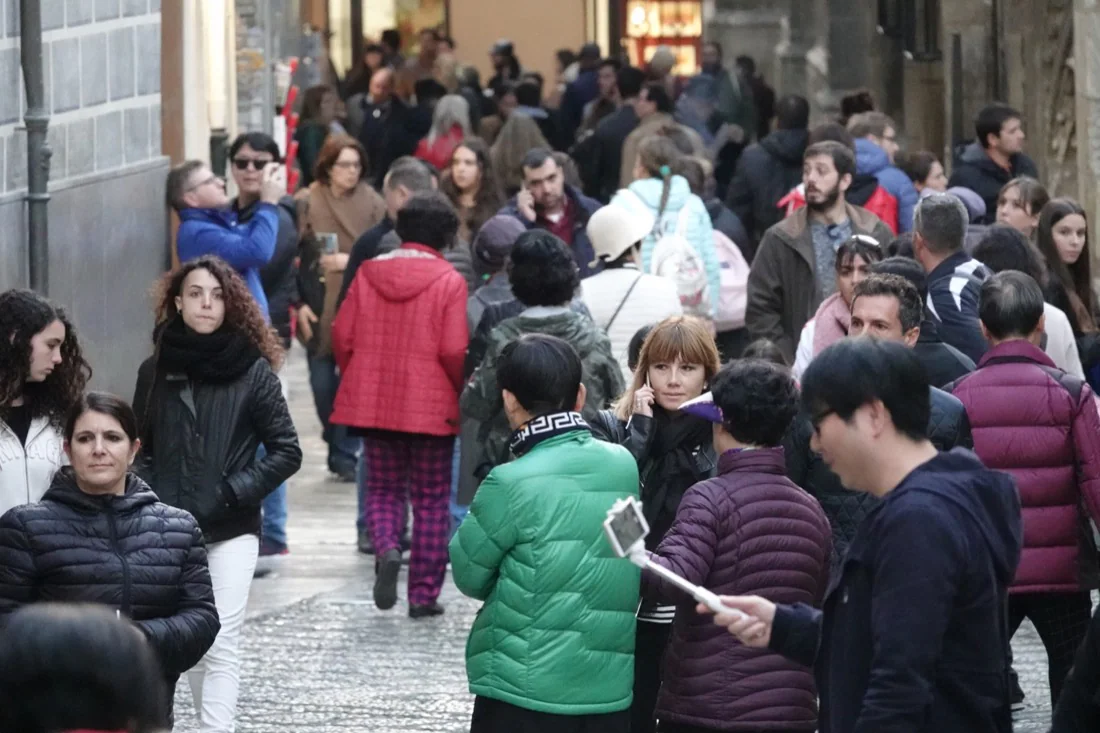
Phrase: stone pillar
pixel 796 40
pixel 747 27
pixel 971 20
pixel 851 29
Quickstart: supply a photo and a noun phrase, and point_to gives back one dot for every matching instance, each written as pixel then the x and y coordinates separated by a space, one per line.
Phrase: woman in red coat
pixel 450 126
pixel 400 339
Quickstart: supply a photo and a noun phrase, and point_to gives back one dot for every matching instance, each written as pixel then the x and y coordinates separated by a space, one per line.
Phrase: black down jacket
pixel 766 172
pixel 948 427
pixel 199 442
pixel 131 553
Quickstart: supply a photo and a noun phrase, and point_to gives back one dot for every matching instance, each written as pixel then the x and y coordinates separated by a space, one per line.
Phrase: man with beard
pixel 791 273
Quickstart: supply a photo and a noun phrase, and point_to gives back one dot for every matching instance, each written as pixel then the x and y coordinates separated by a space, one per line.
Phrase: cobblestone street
pixel 320 658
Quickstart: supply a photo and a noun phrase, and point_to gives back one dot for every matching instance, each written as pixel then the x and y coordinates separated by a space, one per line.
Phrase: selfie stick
pixel 641 557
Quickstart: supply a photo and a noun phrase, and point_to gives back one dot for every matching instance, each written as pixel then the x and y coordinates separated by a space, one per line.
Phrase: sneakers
pixel 269 548
pixel 425 611
pixel 386 570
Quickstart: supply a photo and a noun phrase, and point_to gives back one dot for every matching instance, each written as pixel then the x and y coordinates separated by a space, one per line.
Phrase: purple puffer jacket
pixel 1026 422
pixel 748 531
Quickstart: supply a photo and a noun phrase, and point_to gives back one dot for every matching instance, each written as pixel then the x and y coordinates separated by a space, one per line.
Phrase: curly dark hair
pixel 488 199
pixel 22 315
pixel 758 400
pixel 542 270
pixel 241 310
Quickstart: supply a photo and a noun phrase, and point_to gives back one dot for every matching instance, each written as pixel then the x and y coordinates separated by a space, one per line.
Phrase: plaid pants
pixel 1062 620
pixel 417 467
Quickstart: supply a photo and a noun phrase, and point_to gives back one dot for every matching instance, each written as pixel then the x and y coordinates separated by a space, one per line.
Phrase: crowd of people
pixel 854 396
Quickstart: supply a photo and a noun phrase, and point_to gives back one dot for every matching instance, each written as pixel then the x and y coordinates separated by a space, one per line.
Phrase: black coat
pixel 727 222
pixel 766 172
pixel 948 427
pixel 607 149
pixel 132 553
pixel 943 362
pixel 975 170
pixel 388 132
pixel 1078 707
pixel 199 443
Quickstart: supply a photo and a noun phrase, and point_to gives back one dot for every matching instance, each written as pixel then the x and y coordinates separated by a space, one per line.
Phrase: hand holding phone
pixel 273 186
pixel 525 202
pixel 643 400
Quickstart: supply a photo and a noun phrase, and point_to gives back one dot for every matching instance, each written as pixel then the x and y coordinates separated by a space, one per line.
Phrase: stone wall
pixel 108 224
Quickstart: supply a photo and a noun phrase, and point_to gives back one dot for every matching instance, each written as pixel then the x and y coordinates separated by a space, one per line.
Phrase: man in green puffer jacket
pixel 552 649
pixel 544 279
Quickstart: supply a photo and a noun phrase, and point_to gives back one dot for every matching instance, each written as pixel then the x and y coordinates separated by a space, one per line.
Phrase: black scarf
pixel 672 466
pixel 545 427
pixel 218 357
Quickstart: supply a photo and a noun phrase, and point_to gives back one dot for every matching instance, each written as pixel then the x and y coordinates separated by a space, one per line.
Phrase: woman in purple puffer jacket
pixel 748 530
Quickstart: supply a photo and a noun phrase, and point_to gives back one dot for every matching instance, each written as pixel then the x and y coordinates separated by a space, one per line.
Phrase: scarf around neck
pixel 222 356
pixel 831 322
pixel 544 427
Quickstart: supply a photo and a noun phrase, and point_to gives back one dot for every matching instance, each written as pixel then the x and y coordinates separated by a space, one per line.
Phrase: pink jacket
pixel 1040 425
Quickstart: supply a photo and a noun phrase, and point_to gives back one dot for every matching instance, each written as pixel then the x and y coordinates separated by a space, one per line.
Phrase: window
pixel 921 25
pixel 890 18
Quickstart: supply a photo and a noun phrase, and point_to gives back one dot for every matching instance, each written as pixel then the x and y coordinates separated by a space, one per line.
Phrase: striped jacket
pixel 954 288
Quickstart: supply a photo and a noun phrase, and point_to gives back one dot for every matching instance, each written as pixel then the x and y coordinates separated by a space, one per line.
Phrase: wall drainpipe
pixel 37 119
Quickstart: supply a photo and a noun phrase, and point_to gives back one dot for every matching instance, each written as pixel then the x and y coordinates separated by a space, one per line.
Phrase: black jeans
pixel 495 716
pixel 1062 620
pixel 649 654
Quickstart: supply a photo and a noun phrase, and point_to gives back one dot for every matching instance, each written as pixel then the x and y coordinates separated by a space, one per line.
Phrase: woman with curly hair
pixel 472 187
pixel 42 375
pixel 206 401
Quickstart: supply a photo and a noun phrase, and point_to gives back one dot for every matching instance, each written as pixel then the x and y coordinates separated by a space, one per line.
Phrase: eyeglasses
pixel 204 182
pixel 256 164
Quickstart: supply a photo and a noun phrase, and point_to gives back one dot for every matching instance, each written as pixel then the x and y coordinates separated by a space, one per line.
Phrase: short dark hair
pixel 410 173
pixel 392 37
pixel 758 400
pixel 179 180
pixel 863 246
pixel 428 91
pixel 910 305
pixel 917 165
pixel 536 158
pixel 655 92
pixel 991 119
pixel 941 220
pixel 543 372
pixel 261 142
pixel 834 131
pixel 1011 304
pixel 528 94
pixel 907 268
pixel 854 372
pixel 901 246
pixel 613 63
pixel 765 350
pixel 792 112
pixel 748 63
pixel 104 403
pixel 843 158
pixel 428 218
pixel 630 80
pixel 1005 248
pixel 634 348
pixel 542 270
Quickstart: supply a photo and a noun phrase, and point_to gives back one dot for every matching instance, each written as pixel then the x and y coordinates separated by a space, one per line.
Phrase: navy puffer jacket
pixel 132 553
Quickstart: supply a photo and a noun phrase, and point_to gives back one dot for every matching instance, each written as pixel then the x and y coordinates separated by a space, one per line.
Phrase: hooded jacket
pixel 644 199
pixel 399 339
pixel 766 171
pixel 1040 425
pixel 873 160
pixel 913 634
pixel 27 470
pixel 131 553
pixel 974 169
pixel 601 375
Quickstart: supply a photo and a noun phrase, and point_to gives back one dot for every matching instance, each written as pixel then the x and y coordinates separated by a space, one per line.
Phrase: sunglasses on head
pixel 243 164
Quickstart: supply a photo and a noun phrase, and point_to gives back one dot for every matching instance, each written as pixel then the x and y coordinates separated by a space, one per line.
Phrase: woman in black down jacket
pixel 674 451
pixel 100 535
pixel 206 401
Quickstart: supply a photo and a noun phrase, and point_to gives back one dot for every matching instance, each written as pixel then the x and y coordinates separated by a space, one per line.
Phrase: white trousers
pixel 216 680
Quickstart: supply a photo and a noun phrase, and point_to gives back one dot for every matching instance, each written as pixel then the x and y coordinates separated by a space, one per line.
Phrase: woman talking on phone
pixel 674 451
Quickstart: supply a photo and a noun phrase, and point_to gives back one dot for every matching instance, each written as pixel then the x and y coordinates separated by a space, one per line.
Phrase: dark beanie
pixel 494 241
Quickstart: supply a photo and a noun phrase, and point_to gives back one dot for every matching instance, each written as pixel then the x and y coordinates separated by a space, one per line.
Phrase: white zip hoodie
pixel 26 471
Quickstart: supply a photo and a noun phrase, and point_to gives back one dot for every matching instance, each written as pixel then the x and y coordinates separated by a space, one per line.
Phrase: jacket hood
pixel 870 158
pixel 406 272
pixel 862 189
pixel 990 498
pixel 787 145
pixel 974 154
pixel 64 490
pixel 569 326
pixel 649 190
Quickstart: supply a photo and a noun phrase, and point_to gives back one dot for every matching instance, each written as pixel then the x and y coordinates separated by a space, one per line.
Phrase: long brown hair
pixel 1075 279
pixel 241 310
pixel 488 199
pixel 680 337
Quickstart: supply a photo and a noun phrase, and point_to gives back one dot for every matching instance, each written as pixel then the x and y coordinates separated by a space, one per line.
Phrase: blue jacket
pixel 873 160
pixel 246 247
pixel 913 635
pixel 580 92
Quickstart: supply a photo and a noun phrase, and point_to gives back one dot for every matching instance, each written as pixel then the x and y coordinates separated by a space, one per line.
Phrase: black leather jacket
pixel 948 427
pixel 130 552
pixel 199 445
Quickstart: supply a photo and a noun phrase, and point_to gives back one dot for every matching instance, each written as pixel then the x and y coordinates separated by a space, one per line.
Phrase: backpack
pixel 733 289
pixel 674 258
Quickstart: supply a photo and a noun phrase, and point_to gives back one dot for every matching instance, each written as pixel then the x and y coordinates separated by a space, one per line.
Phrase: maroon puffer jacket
pixel 748 531
pixel 1027 421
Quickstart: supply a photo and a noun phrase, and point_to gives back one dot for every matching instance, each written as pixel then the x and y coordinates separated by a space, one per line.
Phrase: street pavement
pixel 318 657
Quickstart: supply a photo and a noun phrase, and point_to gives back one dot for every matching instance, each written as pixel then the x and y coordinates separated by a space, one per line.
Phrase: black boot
pixel 386 571
pixel 425 611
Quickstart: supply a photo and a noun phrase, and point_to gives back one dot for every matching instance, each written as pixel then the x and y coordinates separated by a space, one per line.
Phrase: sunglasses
pixel 243 164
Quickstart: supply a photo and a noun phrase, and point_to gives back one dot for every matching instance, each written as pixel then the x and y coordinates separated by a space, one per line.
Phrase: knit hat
pixel 493 242
pixel 613 230
pixel 975 204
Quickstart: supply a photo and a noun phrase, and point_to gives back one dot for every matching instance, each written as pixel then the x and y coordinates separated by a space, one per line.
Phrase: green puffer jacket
pixel 481 400
pixel 556 633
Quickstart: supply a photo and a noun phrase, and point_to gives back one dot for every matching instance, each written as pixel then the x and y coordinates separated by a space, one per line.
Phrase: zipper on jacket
pixel 125 608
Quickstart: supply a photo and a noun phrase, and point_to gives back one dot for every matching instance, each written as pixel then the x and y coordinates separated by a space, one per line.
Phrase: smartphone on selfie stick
pixel 626 530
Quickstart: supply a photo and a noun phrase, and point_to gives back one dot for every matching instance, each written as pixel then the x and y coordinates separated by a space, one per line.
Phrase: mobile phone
pixel 330 243
pixel 626 529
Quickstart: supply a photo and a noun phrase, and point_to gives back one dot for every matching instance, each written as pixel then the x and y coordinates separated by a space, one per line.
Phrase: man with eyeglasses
pixel 876 145
pixel 209 226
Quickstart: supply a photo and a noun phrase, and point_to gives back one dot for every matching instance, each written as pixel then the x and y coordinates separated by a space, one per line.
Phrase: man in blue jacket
pixel 876 145
pixel 913 634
